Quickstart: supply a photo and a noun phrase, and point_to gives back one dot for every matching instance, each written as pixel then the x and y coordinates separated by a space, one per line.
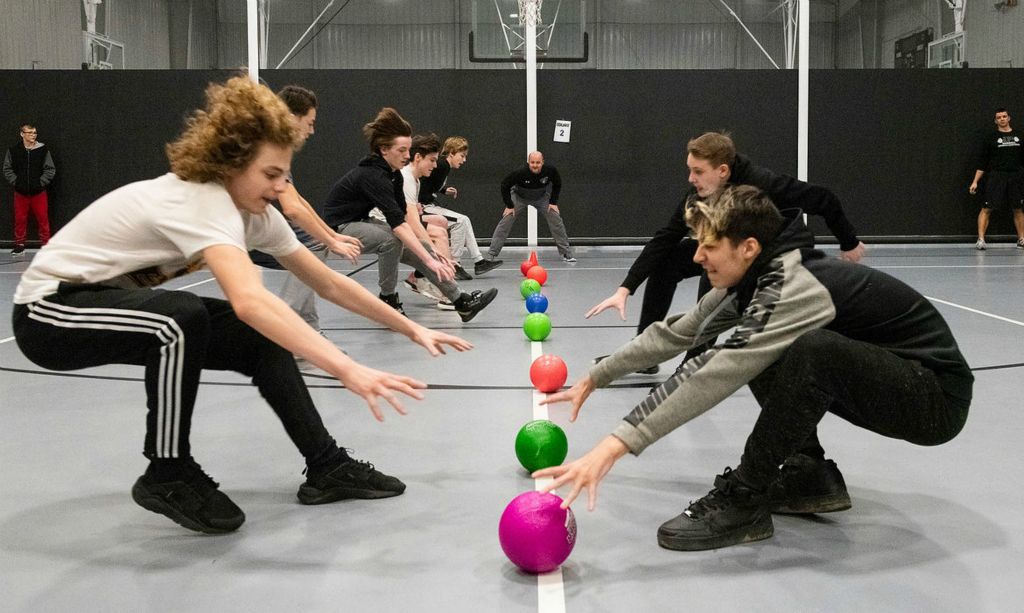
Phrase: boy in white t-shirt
pixel 86 301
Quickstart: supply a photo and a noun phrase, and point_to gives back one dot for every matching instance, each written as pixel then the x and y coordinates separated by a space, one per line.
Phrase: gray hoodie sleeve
pixel 49 170
pixel 8 169
pixel 788 302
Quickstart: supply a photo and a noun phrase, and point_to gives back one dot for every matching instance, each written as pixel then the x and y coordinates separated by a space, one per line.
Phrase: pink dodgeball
pixel 535 534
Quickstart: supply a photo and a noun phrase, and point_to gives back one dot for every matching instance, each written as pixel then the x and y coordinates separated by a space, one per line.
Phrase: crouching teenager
pixel 813 335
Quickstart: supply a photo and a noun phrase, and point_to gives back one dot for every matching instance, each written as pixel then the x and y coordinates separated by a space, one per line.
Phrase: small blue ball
pixel 536 303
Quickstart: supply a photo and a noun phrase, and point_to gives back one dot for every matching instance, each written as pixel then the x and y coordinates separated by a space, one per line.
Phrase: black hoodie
pixel 371 184
pixel 785 191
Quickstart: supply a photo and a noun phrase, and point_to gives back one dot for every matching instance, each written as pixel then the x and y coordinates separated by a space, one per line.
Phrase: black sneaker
pixel 651 370
pixel 730 514
pixel 468 305
pixel 350 479
pixel 461 274
pixel 18 250
pixel 485 265
pixel 808 485
pixel 193 501
pixel 393 302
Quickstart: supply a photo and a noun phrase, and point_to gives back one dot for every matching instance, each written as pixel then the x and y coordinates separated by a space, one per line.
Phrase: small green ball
pixel 541 444
pixel 537 326
pixel 529 286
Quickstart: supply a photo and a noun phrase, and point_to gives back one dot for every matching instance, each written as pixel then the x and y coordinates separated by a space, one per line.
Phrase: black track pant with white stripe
pixel 174 335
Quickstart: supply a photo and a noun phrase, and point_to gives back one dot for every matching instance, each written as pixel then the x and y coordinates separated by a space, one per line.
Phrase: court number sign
pixel 562 129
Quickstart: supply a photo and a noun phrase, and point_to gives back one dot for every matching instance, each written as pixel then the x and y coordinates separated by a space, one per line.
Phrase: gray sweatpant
pixel 301 297
pixel 555 225
pixel 378 238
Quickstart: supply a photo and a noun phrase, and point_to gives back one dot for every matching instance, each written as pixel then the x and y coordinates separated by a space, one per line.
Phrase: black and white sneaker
pixel 191 500
pixel 468 305
pixel 485 266
pixel 568 259
pixel 18 250
pixel 349 479
pixel 393 302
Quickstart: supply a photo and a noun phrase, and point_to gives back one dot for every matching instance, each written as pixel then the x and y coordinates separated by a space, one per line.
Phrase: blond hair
pixel 454 144
pixel 735 212
pixel 225 136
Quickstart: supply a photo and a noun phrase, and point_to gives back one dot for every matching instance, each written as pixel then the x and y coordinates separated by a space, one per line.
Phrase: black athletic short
pixel 1004 190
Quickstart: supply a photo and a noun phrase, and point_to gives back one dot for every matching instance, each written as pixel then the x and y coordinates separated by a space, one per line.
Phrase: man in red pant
pixel 29 168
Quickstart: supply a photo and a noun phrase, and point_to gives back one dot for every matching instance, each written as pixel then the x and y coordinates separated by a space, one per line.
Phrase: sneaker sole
pixel 758 531
pixel 312 495
pixel 445 306
pixel 830 503
pixel 158 505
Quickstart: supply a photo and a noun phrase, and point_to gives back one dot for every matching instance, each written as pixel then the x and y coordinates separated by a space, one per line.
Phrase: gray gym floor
pixel 931 529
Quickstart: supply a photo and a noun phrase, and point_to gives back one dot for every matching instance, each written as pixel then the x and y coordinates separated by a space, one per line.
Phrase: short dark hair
pixel 737 213
pixel 1001 110
pixel 425 144
pixel 298 98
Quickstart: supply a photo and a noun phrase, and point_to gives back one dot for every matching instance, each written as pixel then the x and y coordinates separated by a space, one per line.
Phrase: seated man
pixel 813 335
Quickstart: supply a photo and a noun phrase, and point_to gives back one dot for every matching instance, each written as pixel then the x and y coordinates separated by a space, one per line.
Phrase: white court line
pixel 550 589
pixel 960 306
pixel 190 286
pixel 7 340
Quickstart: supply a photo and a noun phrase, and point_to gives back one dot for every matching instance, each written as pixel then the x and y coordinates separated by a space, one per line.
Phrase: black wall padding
pixel 896 146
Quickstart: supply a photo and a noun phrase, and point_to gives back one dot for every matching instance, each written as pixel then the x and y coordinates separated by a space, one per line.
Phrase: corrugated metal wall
pixel 624 34
pixel 43 34
pixel 144 28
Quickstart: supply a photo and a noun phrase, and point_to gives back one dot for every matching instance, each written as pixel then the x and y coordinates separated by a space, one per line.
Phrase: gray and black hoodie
pixel 790 289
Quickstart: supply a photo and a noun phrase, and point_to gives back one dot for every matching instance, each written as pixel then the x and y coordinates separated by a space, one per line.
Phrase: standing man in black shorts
pixel 1002 159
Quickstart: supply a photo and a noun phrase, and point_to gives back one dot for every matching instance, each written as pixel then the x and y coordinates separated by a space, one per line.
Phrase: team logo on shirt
pixel 1010 141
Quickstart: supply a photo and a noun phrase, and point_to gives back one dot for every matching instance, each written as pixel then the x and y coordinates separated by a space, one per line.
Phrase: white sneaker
pixel 569 259
pixel 980 245
pixel 429 290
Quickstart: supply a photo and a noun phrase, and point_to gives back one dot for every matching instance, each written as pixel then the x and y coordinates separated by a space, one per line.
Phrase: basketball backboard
pixel 496 35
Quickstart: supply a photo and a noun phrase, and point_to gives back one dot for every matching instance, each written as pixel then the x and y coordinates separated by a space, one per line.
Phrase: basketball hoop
pixel 529 12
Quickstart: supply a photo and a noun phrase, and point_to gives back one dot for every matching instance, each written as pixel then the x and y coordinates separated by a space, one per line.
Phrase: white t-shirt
pixel 410 185
pixel 411 188
pixel 148 232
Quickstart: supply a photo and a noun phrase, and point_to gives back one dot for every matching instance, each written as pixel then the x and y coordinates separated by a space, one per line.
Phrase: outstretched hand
pixel 372 385
pixel 577 395
pixel 443 270
pixel 616 301
pixel 585 473
pixel 434 341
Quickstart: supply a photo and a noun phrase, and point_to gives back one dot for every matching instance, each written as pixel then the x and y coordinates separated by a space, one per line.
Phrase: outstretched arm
pixel 274 319
pixel 350 295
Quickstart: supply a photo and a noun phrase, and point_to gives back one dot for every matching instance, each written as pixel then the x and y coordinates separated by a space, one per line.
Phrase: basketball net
pixel 529 12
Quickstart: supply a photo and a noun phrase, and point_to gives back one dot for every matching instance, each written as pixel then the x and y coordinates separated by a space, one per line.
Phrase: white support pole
pixel 531 117
pixel 253 22
pixel 804 32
